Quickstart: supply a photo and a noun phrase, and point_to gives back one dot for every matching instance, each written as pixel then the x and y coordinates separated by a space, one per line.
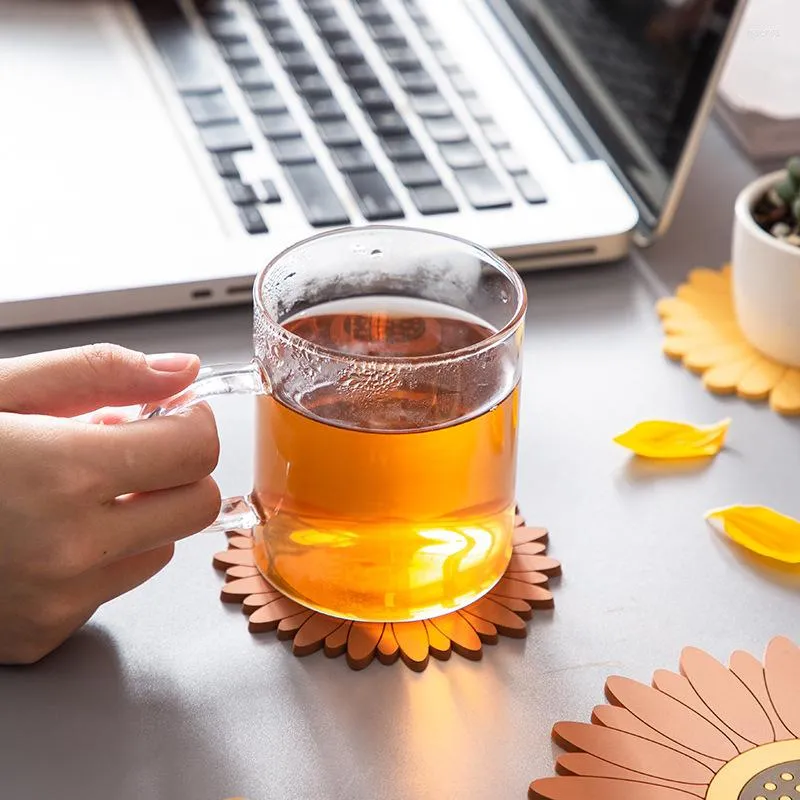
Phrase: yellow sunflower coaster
pixel 504 611
pixel 702 332
pixel 710 731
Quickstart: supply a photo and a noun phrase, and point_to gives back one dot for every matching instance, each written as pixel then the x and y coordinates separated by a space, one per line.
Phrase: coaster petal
pixel 785 397
pixel 658 742
pixel 665 439
pixel 729 699
pixel 760 529
pixel 630 752
pixel 580 788
pixel 503 610
pixel 702 331
pixel 782 668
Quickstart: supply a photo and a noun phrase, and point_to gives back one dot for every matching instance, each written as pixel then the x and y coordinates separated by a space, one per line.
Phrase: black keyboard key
pixel 353 158
pixel 511 161
pixel 209 107
pixel 215 8
pixel 316 196
pixel 272 15
pixel 417 173
pixel 239 52
pixel 529 188
pixel 374 98
pixel 339 132
pixel 292 151
pixel 461 156
pixel 224 165
pixel 315 7
pixel 332 28
pixel 251 76
pixel 402 148
pixel 401 57
pixel 386 33
pixel 446 130
pixel 298 62
pixel 462 85
pixel 482 188
pixel 264 101
pixel 284 38
pixel 252 220
pixel 387 122
pixel 268 192
pixel 278 126
pixel 373 195
pixel 374 12
pixel 311 85
pixel 321 109
pixel 240 193
pixel 225 138
pixel 478 110
pixel 431 105
pixel 188 58
pixel 495 136
pixel 360 75
pixel 345 51
pixel 416 81
pixel 433 200
pixel 226 29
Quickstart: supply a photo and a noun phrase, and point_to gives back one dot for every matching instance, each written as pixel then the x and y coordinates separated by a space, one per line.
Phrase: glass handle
pixel 235 512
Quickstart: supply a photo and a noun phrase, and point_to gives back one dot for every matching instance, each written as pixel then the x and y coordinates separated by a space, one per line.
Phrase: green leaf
pixel 793 166
pixel 786 191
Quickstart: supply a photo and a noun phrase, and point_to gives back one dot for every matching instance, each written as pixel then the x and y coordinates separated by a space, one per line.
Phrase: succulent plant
pixel 778 211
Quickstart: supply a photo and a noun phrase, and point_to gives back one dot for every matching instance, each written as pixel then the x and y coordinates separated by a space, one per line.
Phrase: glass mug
pixel 387 366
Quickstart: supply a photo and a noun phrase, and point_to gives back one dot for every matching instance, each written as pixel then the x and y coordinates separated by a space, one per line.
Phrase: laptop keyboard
pixel 222 134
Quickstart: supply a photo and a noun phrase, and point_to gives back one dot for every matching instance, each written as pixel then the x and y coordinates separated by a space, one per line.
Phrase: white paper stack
pixel 759 94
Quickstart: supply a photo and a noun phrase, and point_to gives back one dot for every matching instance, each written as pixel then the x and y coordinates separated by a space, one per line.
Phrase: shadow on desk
pixel 92 722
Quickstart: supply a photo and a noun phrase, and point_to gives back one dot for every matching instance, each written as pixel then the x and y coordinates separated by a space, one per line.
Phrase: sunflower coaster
pixel 503 611
pixel 702 332
pixel 715 732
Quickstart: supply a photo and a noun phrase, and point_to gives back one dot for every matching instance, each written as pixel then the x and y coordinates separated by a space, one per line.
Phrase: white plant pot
pixel 766 280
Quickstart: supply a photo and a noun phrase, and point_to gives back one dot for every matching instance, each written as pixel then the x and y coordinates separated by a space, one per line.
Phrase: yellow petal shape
pixel 662 439
pixel 761 530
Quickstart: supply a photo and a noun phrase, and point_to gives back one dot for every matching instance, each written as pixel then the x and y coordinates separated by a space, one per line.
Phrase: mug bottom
pixel 443 576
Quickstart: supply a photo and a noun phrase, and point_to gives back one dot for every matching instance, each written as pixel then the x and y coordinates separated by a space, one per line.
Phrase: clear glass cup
pixel 387 367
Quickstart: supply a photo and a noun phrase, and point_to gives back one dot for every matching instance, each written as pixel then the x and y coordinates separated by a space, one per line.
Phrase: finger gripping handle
pixel 235 512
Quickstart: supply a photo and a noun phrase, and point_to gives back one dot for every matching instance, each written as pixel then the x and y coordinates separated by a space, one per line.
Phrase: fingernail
pixel 170 362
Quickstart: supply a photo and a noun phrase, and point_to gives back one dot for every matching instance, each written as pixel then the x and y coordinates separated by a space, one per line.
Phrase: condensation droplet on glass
pixel 376 253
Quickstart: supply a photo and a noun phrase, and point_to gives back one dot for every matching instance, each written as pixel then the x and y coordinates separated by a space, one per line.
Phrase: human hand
pixel 89 511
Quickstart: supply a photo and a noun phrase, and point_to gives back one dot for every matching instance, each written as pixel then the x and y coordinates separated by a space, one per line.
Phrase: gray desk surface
pixel 165 696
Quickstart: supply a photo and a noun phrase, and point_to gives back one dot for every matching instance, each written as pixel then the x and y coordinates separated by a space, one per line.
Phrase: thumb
pixel 65 383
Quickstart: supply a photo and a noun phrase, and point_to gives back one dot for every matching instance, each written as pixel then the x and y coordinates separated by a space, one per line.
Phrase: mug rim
pixel 451 355
pixel 743 208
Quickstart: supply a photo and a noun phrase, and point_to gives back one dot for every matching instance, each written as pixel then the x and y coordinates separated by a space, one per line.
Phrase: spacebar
pixel 315 194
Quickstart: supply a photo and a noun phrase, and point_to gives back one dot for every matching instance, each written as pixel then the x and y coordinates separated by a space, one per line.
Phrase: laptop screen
pixel 637 70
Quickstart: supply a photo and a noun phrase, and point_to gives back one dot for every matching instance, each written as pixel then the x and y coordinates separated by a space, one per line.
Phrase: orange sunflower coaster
pixel 702 332
pixel 715 732
pixel 503 611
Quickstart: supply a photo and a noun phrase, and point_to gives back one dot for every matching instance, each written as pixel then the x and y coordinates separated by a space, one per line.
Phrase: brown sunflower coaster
pixel 702 332
pixel 503 611
pixel 715 732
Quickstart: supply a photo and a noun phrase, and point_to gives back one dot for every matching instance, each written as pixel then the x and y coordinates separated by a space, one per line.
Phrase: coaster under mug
pixel 503 611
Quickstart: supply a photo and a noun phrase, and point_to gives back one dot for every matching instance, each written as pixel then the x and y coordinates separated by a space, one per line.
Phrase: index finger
pixel 158 453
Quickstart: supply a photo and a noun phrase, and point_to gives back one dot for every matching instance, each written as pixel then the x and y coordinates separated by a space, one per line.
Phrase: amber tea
pixel 395 504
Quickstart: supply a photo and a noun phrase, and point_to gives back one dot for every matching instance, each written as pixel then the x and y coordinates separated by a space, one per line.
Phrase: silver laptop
pixel 155 153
